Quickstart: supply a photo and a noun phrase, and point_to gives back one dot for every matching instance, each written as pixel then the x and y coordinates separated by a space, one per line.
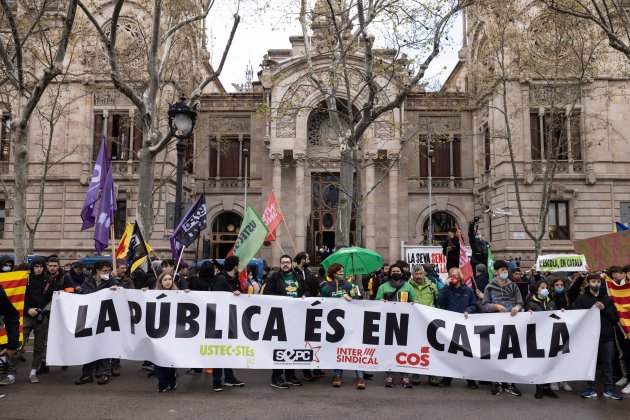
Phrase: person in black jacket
pixel 593 297
pixel 37 302
pixel 450 248
pixel 204 282
pixel 478 245
pixel 227 281
pixel 11 319
pixel 284 283
pixel 102 279
pixel 6 263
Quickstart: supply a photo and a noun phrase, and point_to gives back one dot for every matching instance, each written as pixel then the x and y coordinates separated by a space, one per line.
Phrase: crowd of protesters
pixel 509 290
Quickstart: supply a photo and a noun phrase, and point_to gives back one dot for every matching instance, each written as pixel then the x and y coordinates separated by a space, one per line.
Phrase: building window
pixel 558 220
pixel 442 222
pixel 5 138
pixel 124 141
pixel 2 218
pixel 226 156
pixel 446 161
pixel 120 218
pixel 556 133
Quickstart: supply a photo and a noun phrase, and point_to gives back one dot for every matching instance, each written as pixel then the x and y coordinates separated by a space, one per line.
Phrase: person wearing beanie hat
pixel 481 280
pixel 501 295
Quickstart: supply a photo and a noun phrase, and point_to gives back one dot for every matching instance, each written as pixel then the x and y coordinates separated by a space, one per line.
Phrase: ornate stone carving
pixel 554 95
pixel 110 97
pixel 229 125
pixel 440 123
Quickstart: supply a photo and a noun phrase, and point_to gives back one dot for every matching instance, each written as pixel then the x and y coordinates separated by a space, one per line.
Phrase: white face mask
pixel 104 277
pixel 503 276
pixel 6 268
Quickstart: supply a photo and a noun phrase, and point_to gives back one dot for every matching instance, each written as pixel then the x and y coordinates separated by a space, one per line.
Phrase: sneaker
pixel 612 394
pixel 294 382
pixel 406 383
pixel 626 390
pixel 147 366
pixel 10 379
pixel 512 389
pixel 550 392
pixel 336 381
pixel 415 379
pixel 496 388
pixel 555 387
pixel 565 386
pixel 172 386
pixel 622 382
pixel 103 380
pixel 234 382
pixel 43 369
pixel 217 387
pixel 589 393
pixel 360 383
pixel 389 382
pixel 279 383
pixel 1 395
pixel 84 379
pixel 162 388
pixel 33 379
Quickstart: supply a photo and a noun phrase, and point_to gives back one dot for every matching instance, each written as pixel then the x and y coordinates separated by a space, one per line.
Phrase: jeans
pixel 165 376
pixel 604 359
pixel 40 335
pixel 339 372
pixel 103 366
pixel 289 374
pixel 217 373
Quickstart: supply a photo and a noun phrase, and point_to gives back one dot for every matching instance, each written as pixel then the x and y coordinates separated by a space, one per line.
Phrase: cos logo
pixel 298 355
pixel 414 359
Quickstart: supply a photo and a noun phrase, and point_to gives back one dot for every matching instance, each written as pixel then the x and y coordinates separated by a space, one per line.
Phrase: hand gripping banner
pixel 218 329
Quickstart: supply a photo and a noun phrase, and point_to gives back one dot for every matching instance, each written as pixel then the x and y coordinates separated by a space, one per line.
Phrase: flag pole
pixel 287 227
pixel 113 239
pixel 276 242
pixel 179 260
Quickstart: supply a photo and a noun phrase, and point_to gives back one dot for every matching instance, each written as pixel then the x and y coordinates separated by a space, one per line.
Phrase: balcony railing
pixel 439 183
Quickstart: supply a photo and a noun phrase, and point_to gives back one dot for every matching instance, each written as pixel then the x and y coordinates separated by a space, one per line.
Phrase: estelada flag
pixel 272 217
pixel 121 251
pixel 464 262
pixel 137 250
pixel 620 295
pixel 14 284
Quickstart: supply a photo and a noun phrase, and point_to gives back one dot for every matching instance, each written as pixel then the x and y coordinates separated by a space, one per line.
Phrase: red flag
pixel 272 217
pixel 242 276
pixel 464 262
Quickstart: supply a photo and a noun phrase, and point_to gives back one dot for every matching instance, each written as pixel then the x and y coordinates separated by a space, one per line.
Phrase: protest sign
pixel 604 251
pixel 561 262
pixel 220 329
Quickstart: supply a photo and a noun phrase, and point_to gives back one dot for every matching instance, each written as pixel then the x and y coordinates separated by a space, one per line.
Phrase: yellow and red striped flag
pixel 14 284
pixel 620 295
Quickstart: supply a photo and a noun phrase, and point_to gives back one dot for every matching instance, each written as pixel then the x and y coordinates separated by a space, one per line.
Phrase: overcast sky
pixel 258 33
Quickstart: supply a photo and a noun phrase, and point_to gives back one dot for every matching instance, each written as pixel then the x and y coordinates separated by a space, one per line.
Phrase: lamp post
pixel 245 155
pixel 181 122
pixel 430 153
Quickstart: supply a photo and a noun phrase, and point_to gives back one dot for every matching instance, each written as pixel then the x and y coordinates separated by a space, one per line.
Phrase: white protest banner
pixel 561 262
pixel 415 255
pixel 218 329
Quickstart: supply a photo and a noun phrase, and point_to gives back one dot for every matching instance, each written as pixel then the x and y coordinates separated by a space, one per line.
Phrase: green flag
pixel 250 238
pixel 490 265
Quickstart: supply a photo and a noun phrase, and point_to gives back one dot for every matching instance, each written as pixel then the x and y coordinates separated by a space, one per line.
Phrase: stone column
pixel 300 194
pixel 370 226
pixel 394 237
pixel 277 187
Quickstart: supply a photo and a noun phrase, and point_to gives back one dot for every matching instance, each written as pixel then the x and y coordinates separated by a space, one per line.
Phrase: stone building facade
pixel 290 153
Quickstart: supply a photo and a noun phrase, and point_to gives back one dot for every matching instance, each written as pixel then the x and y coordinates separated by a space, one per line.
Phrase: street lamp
pixel 245 155
pixel 181 122
pixel 430 153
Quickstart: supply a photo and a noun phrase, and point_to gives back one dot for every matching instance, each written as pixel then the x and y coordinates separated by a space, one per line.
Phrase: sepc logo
pixel 417 360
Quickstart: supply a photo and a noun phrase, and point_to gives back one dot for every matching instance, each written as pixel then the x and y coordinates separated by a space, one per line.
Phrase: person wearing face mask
pixel 457 297
pixel 6 263
pixel 285 283
pixel 398 290
pixel 501 295
pixel 559 296
pixel 542 301
pixel 592 296
pixel 101 279
pixel 37 303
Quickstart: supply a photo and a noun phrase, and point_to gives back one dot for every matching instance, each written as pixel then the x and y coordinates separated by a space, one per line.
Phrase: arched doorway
pixel 225 229
pixel 442 222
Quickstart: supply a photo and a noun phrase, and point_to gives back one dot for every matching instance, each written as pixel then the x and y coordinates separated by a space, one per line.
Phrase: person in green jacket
pixel 398 290
pixel 425 292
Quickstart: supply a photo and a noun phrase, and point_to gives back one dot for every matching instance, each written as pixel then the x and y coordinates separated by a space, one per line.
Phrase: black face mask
pixel 594 289
pixel 396 276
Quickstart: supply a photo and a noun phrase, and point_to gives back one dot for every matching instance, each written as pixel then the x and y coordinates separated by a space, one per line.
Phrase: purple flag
pixel 88 213
pixel 105 212
pixel 176 248
pixel 190 226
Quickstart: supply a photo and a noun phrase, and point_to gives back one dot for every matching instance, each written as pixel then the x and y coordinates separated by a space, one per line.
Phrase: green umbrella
pixel 355 260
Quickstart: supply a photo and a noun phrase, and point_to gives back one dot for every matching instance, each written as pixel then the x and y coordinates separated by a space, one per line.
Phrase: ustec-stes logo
pixel 414 360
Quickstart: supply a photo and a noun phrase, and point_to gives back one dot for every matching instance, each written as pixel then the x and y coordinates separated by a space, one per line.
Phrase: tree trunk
pixel 19 191
pixel 145 189
pixel 358 235
pixel 344 213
